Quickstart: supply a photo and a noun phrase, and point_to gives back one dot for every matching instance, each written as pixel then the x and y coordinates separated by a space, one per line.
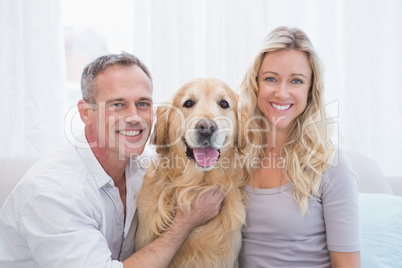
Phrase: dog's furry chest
pixel 215 244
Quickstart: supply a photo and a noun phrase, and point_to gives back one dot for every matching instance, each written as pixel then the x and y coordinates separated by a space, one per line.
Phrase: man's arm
pixel 60 229
pixel 160 252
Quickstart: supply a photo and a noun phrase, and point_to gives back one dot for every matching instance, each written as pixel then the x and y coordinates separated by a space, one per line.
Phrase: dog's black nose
pixel 206 127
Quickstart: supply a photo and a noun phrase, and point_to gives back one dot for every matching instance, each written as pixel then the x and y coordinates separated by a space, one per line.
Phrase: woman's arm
pixel 345 259
pixel 340 199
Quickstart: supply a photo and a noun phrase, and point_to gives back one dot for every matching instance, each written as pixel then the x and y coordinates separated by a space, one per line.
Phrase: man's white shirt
pixel 66 212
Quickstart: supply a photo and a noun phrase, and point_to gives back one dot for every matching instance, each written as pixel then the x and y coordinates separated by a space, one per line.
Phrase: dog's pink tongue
pixel 206 157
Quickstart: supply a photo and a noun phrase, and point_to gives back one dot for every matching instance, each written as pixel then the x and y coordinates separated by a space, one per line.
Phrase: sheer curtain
pixel 31 77
pixel 359 43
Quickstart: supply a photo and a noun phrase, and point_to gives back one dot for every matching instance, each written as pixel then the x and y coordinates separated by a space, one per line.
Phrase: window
pixel 91 28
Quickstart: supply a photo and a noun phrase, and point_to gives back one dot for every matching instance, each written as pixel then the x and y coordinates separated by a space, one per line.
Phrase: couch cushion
pixel 396 184
pixel 11 171
pixel 371 178
pixel 381 230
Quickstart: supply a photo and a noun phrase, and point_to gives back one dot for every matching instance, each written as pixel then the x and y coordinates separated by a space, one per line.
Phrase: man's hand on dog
pixel 203 209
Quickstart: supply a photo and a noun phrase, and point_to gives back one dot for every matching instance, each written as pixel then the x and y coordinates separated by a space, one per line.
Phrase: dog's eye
pixel 188 104
pixel 224 104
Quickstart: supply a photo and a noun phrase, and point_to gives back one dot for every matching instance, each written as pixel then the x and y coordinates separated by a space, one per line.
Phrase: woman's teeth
pixel 130 133
pixel 281 107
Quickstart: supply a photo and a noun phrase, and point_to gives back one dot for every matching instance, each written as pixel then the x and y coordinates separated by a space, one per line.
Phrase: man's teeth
pixel 281 107
pixel 130 133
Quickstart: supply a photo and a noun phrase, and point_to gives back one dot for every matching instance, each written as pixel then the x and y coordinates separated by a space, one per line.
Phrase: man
pixel 75 208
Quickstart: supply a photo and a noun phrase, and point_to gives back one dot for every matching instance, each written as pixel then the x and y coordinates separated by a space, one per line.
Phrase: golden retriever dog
pixel 197 141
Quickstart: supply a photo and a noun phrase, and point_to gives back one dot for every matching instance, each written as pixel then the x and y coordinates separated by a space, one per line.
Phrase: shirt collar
pixel 91 163
pixel 144 160
pixel 139 163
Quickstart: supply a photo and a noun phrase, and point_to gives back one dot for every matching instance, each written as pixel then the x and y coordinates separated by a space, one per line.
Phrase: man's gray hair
pixel 99 65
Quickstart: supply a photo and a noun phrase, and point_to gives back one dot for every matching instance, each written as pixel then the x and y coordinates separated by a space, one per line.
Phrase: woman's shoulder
pixel 339 171
pixel 339 163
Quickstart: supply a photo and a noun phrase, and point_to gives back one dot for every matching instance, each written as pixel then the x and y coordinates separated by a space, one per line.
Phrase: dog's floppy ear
pixel 160 135
pixel 247 136
pixel 242 138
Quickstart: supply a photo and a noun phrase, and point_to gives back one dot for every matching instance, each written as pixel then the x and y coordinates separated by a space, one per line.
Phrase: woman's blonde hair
pixel 309 149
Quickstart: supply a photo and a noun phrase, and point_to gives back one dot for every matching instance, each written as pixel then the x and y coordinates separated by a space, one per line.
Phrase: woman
pixel 303 197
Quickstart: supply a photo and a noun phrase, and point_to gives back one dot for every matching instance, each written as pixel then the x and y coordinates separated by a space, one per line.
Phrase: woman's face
pixel 284 80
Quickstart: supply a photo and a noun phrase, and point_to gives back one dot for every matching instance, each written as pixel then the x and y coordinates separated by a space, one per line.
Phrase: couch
pixel 380 214
pixel 380 207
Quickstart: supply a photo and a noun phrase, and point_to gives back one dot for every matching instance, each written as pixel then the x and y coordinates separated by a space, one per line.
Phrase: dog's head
pixel 200 124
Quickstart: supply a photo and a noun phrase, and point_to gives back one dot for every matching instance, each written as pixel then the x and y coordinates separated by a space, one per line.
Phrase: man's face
pixel 122 120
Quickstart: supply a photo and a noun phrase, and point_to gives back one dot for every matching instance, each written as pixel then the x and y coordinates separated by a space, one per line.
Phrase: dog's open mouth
pixel 205 157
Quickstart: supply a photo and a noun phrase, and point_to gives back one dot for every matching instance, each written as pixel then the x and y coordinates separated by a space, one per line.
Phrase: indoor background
pixel 44 45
